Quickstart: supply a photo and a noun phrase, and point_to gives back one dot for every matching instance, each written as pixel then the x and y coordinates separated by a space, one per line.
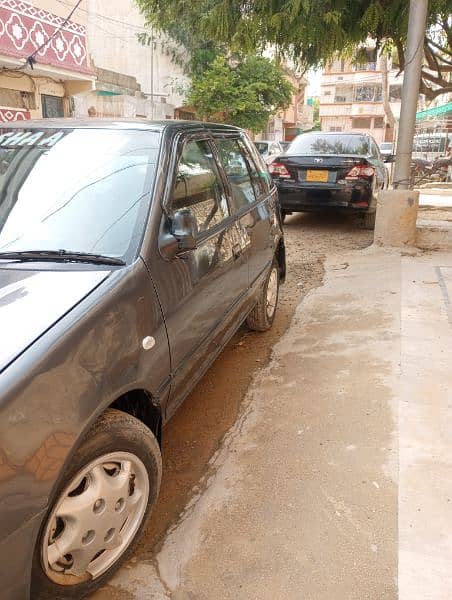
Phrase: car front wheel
pixel 262 316
pixel 99 510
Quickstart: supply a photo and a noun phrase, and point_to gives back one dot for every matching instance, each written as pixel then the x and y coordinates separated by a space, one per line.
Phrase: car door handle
pixel 237 251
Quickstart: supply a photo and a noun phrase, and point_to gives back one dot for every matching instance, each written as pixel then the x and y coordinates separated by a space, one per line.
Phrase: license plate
pixel 317 175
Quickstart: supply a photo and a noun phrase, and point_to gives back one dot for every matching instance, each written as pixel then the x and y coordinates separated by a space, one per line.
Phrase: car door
pixel 199 289
pixel 260 222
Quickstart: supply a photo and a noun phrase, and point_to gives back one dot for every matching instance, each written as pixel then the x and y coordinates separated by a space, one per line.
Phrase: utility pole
pixel 152 74
pixel 417 23
pixel 397 209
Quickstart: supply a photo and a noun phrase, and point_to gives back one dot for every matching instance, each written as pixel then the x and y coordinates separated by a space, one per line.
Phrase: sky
pixel 314 78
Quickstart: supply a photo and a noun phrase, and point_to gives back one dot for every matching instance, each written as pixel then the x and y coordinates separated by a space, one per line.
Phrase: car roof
pixel 336 133
pixel 118 124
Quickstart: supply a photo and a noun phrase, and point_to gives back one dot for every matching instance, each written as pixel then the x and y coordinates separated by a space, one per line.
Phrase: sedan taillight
pixel 360 172
pixel 278 170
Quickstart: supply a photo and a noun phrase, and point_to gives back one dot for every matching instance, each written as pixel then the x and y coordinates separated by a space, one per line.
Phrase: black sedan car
pixel 130 253
pixel 330 170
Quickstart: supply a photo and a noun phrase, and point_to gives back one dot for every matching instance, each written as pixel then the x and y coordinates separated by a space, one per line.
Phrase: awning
pixel 107 93
pixel 434 112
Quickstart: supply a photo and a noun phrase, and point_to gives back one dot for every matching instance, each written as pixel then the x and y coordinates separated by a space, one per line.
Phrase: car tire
pixel 116 472
pixel 369 220
pixel 263 314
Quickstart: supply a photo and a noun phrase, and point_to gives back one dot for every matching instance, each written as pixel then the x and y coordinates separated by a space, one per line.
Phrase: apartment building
pixel 296 118
pixel 57 50
pixel 352 98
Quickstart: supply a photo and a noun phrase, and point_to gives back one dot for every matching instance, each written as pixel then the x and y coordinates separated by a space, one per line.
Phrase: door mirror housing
pixel 184 227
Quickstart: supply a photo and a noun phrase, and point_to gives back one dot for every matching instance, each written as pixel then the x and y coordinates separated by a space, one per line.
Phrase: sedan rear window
pixel 82 190
pixel 309 144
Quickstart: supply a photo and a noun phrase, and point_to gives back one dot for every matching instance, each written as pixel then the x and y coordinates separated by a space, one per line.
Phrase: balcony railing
pixel 25 29
pixel 369 66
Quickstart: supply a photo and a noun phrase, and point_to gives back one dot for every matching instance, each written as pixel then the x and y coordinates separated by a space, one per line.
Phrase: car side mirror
pixel 390 158
pixel 184 227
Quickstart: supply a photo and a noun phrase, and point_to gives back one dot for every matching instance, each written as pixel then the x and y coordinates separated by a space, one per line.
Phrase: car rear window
pixel 310 144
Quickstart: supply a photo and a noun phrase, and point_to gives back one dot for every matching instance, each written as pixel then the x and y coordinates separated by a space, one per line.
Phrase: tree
pixel 246 93
pixel 311 32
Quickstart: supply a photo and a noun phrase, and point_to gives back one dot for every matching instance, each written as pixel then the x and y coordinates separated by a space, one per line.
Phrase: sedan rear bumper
pixel 295 197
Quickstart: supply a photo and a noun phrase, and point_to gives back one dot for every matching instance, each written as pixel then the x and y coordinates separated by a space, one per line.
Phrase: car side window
pixel 374 150
pixel 261 178
pixel 198 187
pixel 237 171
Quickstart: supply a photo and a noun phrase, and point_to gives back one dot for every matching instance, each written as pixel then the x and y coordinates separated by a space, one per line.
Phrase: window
pixel 379 122
pixel 327 93
pixel 52 107
pixel 100 206
pixel 198 186
pixel 340 99
pixel 395 93
pixel 236 168
pixel 311 144
pixel 374 150
pixel 368 93
pixel 260 176
pixel 361 123
pixel 338 65
pixel 335 129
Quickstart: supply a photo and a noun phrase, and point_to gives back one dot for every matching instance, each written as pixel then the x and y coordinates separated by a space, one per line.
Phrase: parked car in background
pixel 269 149
pixel 322 171
pixel 387 150
pixel 130 253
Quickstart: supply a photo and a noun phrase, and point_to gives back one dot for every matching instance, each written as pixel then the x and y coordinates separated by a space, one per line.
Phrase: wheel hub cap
pixel 95 518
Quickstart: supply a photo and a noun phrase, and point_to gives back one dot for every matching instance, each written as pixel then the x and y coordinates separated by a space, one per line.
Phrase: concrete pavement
pixel 336 481
pixel 441 198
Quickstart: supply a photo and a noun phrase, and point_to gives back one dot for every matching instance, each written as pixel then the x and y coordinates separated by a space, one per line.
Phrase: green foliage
pixel 246 94
pixel 309 32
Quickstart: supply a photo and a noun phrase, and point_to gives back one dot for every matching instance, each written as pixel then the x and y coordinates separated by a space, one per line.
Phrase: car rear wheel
pixel 100 508
pixel 263 314
pixel 369 220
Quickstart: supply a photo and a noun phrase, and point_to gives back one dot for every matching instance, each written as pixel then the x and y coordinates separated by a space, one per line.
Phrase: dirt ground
pixel 195 432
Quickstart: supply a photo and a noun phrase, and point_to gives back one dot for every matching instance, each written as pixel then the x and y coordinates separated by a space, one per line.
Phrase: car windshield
pixel 262 147
pixel 310 144
pixel 81 190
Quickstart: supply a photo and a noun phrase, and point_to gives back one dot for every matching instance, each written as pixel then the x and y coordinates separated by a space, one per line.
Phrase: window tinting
pixel 262 147
pixel 82 190
pixel 198 186
pixel 260 176
pixel 310 144
pixel 237 170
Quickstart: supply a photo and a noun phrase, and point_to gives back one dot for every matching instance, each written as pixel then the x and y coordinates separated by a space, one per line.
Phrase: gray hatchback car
pixel 130 253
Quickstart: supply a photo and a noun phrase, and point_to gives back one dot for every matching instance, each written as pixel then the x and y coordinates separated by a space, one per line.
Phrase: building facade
pixel 92 63
pixel 352 98
pixel 132 79
pixel 295 119
pixel 57 50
